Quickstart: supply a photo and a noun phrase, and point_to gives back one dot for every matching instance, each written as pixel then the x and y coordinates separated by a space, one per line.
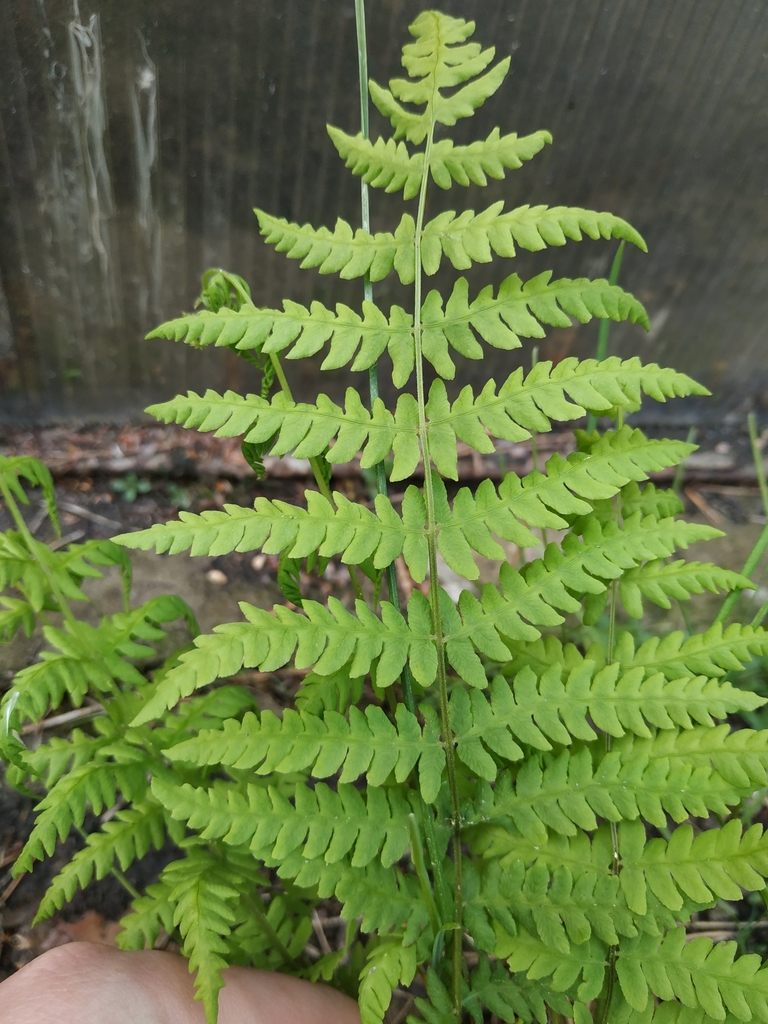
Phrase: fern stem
pixel 373 372
pixel 116 873
pixel 256 907
pixel 406 682
pixel 417 857
pixel 748 568
pixel 535 445
pixel 605 326
pixel 757 458
pixel 29 540
pixel 434 587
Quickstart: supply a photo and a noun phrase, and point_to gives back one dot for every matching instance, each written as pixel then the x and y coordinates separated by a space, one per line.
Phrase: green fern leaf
pixel 464 240
pixel 716 864
pixel 95 785
pixel 439 59
pixel 306 429
pixel 523 406
pixel 519 310
pixel 302 332
pixel 584 963
pixel 321 824
pixel 565 792
pixel 326 637
pixel 473 238
pixel 737 760
pixel 511 999
pixel 562 908
pixel 35 472
pixel 389 964
pixel 126 838
pixel 712 653
pixel 367 743
pixel 15 615
pixel 384 900
pixel 88 659
pixel 343 251
pixel 700 973
pixel 204 893
pixel 558 708
pixel 149 915
pixel 388 165
pixel 659 582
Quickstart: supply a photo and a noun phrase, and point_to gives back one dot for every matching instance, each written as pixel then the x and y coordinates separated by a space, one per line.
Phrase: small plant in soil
pixel 521 825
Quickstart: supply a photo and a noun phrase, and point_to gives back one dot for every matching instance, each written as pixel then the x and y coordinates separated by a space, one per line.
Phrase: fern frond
pixel 473 238
pixel 464 240
pixel 439 59
pixel 585 963
pixel 306 429
pixel 36 473
pixel 387 164
pixel 384 900
pixel 389 964
pixel 368 743
pixel 326 637
pixel 345 252
pixel 149 915
pixel 125 839
pixel 510 999
pixel 542 499
pixel 559 707
pixel 89 659
pixel 523 406
pixel 519 310
pixel 712 653
pixel 349 530
pixel 700 973
pixel 566 791
pixel 562 908
pixel 204 893
pixel 320 824
pixel 303 332
pixel 15 614
pixel 23 564
pixel 738 759
pixel 96 785
pixel 659 582
pixel 716 864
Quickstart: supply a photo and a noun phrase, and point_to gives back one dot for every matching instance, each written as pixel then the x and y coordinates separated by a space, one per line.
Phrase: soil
pixel 107 484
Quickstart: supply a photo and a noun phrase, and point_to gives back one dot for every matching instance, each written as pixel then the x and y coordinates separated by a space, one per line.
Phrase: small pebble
pixel 216 576
pixel 258 562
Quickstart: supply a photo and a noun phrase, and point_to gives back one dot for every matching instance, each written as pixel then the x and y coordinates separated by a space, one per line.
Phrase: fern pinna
pixel 507 817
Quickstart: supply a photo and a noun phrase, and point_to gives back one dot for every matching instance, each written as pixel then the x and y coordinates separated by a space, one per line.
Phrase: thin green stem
pixel 417 857
pixel 254 903
pixel 758 619
pixel 747 569
pixel 434 588
pixel 535 445
pixel 406 682
pixel 677 483
pixel 605 325
pixel 757 458
pixel 116 873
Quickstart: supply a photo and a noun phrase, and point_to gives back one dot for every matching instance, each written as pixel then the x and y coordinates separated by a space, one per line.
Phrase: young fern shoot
pixel 485 829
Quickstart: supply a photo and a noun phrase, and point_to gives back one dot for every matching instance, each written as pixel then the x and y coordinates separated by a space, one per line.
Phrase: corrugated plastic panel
pixel 136 136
